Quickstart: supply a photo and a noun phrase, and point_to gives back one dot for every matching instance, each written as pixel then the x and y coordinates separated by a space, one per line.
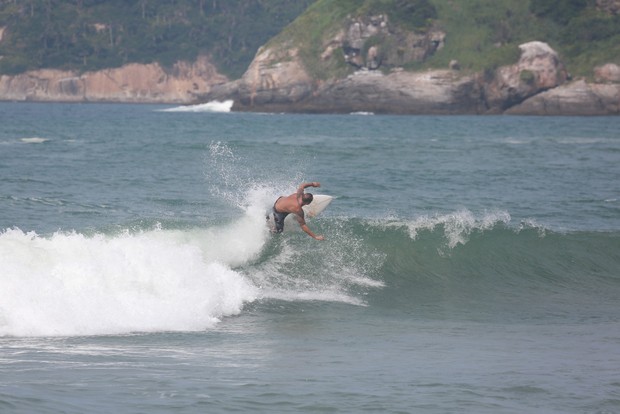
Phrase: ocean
pixel 470 264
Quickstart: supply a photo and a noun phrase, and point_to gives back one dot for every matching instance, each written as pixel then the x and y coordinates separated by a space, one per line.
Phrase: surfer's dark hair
pixel 307 198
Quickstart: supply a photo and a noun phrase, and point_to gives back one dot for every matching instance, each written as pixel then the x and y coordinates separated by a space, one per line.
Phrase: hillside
pixel 89 35
pixel 585 33
pixel 440 57
pixel 479 34
pixel 396 56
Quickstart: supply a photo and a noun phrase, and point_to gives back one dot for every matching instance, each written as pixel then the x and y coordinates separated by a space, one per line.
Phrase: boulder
pixel 538 69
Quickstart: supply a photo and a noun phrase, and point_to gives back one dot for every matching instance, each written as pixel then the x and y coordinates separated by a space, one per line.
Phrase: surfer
pixel 293 204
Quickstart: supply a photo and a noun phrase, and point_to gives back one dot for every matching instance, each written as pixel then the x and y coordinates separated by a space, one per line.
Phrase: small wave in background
pixel 213 106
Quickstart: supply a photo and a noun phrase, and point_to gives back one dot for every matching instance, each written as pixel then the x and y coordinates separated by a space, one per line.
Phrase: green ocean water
pixel 471 264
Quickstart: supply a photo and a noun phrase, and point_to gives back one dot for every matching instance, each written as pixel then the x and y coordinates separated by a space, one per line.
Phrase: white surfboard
pixel 319 203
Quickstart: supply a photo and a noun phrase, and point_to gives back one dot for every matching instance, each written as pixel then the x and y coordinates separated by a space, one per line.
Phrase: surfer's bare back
pixel 293 204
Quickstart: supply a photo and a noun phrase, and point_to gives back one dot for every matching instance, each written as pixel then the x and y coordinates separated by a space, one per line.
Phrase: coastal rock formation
pixel 538 69
pixel 278 81
pixel 399 92
pixel 274 77
pixel 130 83
pixel 575 98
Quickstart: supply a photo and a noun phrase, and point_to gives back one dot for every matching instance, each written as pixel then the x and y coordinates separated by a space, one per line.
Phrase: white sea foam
pixel 34 140
pixel 213 106
pixel 72 284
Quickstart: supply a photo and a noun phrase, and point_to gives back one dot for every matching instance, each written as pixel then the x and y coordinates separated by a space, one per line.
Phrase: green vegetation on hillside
pixel 93 34
pixel 480 34
pixel 585 36
pixel 323 19
pixel 409 14
pixel 485 34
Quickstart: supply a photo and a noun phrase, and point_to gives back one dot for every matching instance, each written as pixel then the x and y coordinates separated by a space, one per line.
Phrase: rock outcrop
pixel 274 77
pixel 372 43
pixel 575 98
pixel 538 69
pixel 399 92
pixel 278 81
pixel 130 83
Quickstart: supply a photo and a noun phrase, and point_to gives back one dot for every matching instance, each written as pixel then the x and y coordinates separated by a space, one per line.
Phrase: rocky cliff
pixel 131 83
pixel 280 80
pixel 365 64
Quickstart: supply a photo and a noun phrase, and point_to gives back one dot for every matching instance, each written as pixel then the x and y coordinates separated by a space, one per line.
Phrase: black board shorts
pixel 278 218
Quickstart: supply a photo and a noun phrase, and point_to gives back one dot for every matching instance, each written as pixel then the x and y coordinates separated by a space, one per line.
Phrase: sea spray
pixel 291 266
pixel 342 268
pixel 457 226
pixel 230 176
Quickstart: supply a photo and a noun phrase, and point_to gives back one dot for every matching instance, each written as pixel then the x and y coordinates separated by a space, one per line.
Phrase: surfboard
pixel 319 203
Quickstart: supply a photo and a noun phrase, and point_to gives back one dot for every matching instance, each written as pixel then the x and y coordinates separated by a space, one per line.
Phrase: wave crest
pixel 457 227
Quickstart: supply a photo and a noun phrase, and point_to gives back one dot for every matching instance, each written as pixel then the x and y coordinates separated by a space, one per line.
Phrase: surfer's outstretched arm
pixel 311 234
pixel 304 227
pixel 303 186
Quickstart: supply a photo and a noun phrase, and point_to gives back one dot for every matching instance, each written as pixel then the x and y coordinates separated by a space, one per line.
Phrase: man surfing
pixel 293 204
